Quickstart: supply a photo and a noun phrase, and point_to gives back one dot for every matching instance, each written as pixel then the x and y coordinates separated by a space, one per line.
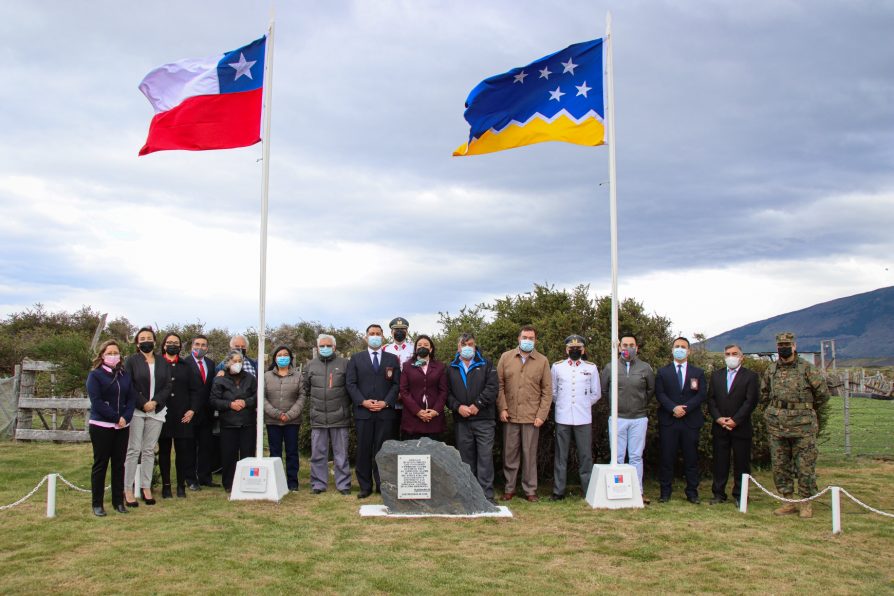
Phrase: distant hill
pixel 861 325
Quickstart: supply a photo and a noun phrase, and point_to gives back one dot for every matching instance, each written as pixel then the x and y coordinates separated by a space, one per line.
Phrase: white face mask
pixel 732 362
pixel 236 368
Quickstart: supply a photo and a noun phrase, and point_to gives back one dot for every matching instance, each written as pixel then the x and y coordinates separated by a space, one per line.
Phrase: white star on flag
pixel 556 94
pixel 544 74
pixel 520 78
pixel 243 67
pixel 569 66
pixel 582 89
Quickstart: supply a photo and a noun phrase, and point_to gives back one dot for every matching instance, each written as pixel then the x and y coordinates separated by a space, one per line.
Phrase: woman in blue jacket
pixel 112 400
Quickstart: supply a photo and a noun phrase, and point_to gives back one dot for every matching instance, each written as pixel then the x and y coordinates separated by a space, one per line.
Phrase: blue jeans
pixel 288 434
pixel 631 442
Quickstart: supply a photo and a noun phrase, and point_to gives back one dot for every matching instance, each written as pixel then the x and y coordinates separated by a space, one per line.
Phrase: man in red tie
pixel 202 366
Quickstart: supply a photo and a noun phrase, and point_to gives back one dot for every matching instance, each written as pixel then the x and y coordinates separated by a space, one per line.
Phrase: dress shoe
pixel 212 484
pixel 717 501
pixel 364 494
pixel 694 500
pixel 507 496
pixel 193 486
pixel 149 501
pixel 131 503
pixel 181 492
pixel 646 500
pixel 663 499
pixel 555 497
pixel 532 498
pixel 120 508
pixel 166 491
pixel 99 512
pixel 316 491
pixel 345 491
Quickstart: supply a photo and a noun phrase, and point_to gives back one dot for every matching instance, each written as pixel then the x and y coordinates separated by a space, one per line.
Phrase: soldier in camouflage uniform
pixel 792 389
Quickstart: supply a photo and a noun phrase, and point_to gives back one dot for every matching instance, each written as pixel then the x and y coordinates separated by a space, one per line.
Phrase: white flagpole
pixel 613 214
pixel 262 324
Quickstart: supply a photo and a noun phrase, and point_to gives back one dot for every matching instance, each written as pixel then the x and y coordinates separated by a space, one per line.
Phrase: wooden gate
pixel 48 409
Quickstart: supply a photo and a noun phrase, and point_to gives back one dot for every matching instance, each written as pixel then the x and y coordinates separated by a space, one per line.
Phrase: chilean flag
pixel 207 103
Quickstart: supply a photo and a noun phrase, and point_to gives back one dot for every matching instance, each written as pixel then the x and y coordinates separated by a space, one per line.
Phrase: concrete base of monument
pixel 614 487
pixel 382 511
pixel 259 479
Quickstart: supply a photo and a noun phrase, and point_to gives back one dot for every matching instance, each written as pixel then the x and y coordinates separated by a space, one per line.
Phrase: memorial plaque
pixel 254 480
pixel 619 486
pixel 414 476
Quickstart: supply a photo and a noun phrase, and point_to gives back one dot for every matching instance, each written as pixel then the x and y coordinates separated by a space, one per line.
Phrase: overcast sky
pixel 755 145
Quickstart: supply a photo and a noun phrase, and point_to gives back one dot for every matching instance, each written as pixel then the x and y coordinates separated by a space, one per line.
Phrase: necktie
pixel 680 375
pixel 376 361
pixel 202 370
pixel 730 375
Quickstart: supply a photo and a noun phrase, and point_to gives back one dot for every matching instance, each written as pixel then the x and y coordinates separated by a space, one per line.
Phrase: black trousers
pixel 475 443
pixel 235 443
pixel 740 446
pixel 207 448
pixel 675 438
pixel 108 444
pixel 371 435
pixel 185 460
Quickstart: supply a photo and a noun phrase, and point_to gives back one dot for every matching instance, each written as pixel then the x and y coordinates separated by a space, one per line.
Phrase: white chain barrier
pixel 836 501
pixel 50 480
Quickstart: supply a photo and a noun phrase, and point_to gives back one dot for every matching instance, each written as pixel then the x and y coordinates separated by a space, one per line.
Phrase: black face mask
pixel 423 352
pixel 146 346
pixel 784 353
pixel 172 350
pixel 400 335
pixel 575 354
pixel 243 350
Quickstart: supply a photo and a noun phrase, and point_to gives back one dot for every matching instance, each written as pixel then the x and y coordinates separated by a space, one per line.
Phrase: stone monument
pixel 427 477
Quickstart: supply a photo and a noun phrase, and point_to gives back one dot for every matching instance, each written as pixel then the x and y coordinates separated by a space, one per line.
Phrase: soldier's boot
pixel 806 510
pixel 787 508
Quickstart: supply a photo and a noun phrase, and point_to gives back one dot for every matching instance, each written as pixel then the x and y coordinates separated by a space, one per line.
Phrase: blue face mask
pixel 467 352
pixel 375 341
pixel 283 361
pixel 680 353
pixel 326 351
pixel 526 345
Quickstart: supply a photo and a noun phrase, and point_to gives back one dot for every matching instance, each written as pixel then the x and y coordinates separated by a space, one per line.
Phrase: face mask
pixel 628 353
pixel 111 360
pixel 680 353
pixel 575 353
pixel 172 350
pixel 731 362
pixel 200 353
pixel 146 346
pixel 283 361
pixel 236 368
pixel 423 352
pixel 784 353
pixel 467 352
pixel 326 351
pixel 526 345
pixel 400 335
pixel 375 341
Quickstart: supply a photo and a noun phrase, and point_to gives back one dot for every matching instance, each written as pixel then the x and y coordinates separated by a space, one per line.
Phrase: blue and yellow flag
pixel 556 98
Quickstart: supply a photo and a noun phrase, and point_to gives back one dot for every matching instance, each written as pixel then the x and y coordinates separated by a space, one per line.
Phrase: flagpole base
pixel 614 486
pixel 259 479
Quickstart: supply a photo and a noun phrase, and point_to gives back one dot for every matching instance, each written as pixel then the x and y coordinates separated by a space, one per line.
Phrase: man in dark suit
pixel 203 368
pixel 372 381
pixel 680 389
pixel 732 396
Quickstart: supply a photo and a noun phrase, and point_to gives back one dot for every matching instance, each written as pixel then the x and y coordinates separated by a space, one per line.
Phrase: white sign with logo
pixel 254 479
pixel 618 485
pixel 414 476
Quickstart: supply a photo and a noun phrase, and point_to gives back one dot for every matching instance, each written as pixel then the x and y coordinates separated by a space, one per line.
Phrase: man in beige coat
pixel 523 402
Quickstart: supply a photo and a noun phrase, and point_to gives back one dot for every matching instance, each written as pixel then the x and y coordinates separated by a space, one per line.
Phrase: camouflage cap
pixel 786 337
pixel 574 341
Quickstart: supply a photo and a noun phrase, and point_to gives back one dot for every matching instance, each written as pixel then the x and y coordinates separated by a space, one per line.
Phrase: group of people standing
pixel 400 389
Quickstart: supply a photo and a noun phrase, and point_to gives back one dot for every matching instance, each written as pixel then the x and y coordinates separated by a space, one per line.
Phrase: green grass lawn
pixel 872 428
pixel 319 543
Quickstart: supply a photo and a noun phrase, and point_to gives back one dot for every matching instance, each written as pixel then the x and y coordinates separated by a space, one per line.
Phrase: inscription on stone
pixel 414 476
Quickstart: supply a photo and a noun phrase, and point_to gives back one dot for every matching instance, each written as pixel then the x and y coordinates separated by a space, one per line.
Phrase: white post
pixel 847 421
pixel 51 495
pixel 836 510
pixel 262 329
pixel 743 497
pixel 613 217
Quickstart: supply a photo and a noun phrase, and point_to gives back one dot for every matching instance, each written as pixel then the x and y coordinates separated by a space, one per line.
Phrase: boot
pixel 787 508
pixel 806 510
pixel 166 491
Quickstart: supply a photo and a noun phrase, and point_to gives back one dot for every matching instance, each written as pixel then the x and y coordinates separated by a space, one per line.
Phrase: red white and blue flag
pixel 254 471
pixel 207 103
pixel 619 479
